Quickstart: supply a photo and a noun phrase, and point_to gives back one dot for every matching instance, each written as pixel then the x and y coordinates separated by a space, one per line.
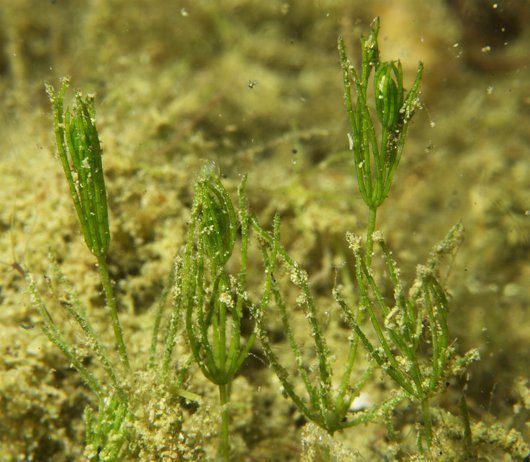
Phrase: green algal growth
pixel 402 328
pixel 80 153
pixel 405 333
pixel 213 299
pixel 325 404
pixel 407 324
pixel 109 436
pixel 107 433
pixel 376 157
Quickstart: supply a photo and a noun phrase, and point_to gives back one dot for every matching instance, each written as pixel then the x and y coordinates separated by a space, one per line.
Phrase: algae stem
pixel 372 215
pixel 427 423
pixel 112 305
pixel 224 444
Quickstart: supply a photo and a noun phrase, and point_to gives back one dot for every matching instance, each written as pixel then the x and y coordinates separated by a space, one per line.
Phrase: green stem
pixel 223 453
pixel 112 305
pixel 427 422
pixel 170 339
pixel 468 437
pixel 339 402
pixel 369 240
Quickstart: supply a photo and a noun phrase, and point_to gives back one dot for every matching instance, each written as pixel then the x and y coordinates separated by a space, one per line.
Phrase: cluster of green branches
pixel 108 436
pixel 405 328
pixel 400 326
pixel 213 300
pixel 376 160
pixel 203 292
pixel 407 338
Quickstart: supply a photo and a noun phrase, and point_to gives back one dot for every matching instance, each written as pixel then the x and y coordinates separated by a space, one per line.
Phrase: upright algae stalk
pixel 80 153
pixel 377 157
pixel 401 328
pixel 110 436
pixel 212 298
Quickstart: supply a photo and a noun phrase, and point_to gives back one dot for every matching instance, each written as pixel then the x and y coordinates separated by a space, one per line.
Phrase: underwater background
pixel 256 87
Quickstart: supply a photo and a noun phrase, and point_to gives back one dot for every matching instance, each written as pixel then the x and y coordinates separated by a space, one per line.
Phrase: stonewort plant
pixel 408 325
pixel 80 154
pixel 214 300
pixel 376 159
pixel 325 402
pixel 376 143
pixel 400 326
pixel 203 292
pixel 109 436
